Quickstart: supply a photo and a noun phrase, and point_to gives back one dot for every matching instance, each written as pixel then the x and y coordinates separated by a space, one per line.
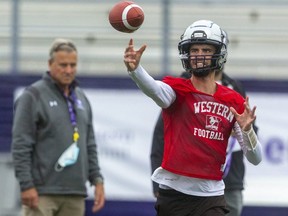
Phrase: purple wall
pixel 129 208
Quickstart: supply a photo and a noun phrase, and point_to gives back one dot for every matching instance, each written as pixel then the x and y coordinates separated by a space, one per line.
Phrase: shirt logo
pixel 53 103
pixel 212 122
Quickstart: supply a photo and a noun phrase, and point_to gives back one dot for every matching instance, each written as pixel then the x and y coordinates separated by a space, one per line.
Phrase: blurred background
pixel 257 30
pixel 257 57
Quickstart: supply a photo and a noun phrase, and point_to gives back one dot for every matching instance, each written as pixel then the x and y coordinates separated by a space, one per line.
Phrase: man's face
pixel 63 67
pixel 201 55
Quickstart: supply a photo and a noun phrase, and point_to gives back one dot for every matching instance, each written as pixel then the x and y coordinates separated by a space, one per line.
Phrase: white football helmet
pixel 203 32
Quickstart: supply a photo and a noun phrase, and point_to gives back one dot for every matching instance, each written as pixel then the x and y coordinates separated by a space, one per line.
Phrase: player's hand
pixel 99 197
pixel 132 57
pixel 246 119
pixel 30 198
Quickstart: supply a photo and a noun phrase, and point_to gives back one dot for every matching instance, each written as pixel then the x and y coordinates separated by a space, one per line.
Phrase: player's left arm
pixel 246 135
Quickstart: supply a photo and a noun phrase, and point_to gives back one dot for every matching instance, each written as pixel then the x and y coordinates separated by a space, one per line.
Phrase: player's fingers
pixel 234 112
pixel 129 59
pixel 130 64
pixel 129 49
pixel 129 55
pixel 247 99
pixel 142 49
pixel 253 110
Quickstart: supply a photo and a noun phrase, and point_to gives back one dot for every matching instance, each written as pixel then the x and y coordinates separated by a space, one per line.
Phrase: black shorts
pixel 174 203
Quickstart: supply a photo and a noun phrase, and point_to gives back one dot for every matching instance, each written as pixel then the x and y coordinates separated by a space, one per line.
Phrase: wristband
pixel 252 137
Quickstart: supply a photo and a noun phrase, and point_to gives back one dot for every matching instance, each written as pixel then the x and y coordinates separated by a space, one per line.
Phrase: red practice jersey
pixel 196 129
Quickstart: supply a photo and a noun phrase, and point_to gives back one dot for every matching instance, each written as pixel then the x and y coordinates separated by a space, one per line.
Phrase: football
pixel 126 16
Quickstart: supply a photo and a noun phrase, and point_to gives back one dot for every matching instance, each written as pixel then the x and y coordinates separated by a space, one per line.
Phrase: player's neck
pixel 218 76
pixel 205 84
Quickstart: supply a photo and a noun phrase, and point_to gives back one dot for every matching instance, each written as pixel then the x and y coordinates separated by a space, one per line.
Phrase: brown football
pixel 126 16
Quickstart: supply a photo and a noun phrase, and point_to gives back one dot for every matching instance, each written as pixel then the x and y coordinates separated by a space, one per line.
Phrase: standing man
pixel 199 116
pixel 53 142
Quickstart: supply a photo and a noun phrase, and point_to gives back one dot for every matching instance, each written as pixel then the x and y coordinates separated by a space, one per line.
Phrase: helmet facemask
pixel 203 32
pixel 206 68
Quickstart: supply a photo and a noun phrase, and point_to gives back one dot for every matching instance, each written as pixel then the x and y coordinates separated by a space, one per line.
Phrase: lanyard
pixel 71 102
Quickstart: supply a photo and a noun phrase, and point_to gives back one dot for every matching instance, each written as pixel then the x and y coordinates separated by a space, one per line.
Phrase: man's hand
pixel 246 119
pixel 99 197
pixel 30 198
pixel 132 57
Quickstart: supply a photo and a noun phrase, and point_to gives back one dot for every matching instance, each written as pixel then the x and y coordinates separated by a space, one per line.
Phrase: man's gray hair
pixel 61 44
